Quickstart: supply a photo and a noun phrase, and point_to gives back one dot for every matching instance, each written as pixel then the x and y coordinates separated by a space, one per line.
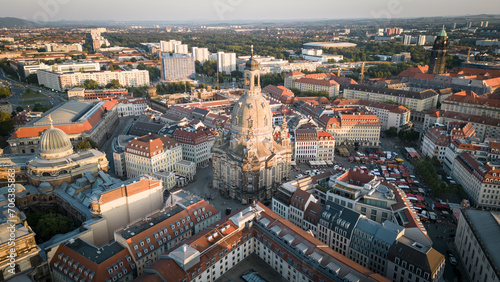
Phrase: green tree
pixel 114 84
pixel 141 66
pixel 32 79
pixel 85 144
pixel 391 132
pixel 154 73
pixel 19 109
pixel 6 123
pixel 90 84
pixel 8 70
pixel 272 78
pixel 5 92
pixel 452 62
pixel 51 224
pixel 40 108
pixel 209 68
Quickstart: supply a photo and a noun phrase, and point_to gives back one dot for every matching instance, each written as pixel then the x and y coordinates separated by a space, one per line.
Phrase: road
pixel 52 99
pixel 106 147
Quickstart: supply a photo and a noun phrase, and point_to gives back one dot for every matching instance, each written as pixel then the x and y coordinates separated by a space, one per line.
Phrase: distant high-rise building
pixel 168 46
pixel 486 24
pixel 438 54
pixel 421 40
pixel 454 25
pixel 469 25
pixel 179 67
pixel 407 40
pixel 200 54
pixel 181 48
pixel 482 24
pixel 226 62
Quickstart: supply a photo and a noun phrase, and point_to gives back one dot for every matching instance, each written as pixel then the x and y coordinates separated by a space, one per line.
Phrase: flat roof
pixel 330 44
pixel 140 226
pixel 66 113
pixel 487 228
pixel 93 253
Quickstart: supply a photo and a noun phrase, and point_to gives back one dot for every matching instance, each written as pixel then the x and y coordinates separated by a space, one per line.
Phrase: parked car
pixel 453 261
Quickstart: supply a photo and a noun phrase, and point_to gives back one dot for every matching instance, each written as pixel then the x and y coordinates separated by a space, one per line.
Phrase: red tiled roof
pixel 316 81
pixel 390 107
pixel 299 199
pixel 352 177
pixel 214 249
pixel 469 97
pixel 99 271
pixel 169 226
pixel 411 71
pixel 151 145
pixel 75 128
pixel 193 137
pixel 313 212
pixel 464 117
pixel 293 73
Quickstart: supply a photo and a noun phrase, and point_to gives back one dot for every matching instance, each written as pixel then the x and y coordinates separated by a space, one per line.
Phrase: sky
pixel 231 10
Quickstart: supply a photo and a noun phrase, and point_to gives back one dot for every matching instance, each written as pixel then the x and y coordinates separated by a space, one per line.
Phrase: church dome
pixel 252 112
pixel 252 64
pixel 54 143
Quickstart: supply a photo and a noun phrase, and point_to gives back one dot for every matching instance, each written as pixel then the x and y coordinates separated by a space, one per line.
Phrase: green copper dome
pixel 442 32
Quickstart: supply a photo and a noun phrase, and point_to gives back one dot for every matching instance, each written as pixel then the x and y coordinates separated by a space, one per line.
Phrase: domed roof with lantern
pixel 252 64
pixel 54 143
pixel 252 111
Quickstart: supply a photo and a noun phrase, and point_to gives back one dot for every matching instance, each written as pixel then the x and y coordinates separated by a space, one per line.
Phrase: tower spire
pixel 51 121
pixel 251 48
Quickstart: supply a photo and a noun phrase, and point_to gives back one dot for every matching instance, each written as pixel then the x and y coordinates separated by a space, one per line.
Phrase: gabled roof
pixel 80 260
pixel 393 92
pixel 469 97
pixel 150 145
pixel 411 71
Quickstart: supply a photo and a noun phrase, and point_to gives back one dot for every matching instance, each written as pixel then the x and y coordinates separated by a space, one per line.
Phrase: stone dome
pixel 54 144
pixel 252 111
pixel 45 187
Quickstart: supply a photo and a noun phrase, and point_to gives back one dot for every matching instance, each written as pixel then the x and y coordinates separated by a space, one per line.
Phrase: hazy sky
pixel 224 10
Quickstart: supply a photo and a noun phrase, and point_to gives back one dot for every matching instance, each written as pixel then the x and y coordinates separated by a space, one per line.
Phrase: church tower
pixel 248 164
pixel 438 54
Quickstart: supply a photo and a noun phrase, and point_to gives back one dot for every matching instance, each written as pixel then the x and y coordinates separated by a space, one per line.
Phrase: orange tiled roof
pixel 75 128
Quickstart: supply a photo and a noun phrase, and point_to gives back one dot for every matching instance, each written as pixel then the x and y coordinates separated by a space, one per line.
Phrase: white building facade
pixel 226 62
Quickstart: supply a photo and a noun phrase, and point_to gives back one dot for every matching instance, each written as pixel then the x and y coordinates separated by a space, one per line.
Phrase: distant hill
pixel 15 22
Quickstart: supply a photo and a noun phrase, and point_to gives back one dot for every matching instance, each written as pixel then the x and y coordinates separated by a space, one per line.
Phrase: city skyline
pixel 237 10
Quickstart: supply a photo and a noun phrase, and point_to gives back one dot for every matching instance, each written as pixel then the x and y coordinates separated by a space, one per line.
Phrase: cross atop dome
pixel 51 121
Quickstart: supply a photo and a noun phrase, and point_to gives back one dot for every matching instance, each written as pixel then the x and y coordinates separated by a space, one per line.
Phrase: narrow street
pixel 120 129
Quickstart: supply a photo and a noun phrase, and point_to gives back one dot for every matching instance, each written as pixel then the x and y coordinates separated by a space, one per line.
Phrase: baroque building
pixel 56 163
pixel 248 163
